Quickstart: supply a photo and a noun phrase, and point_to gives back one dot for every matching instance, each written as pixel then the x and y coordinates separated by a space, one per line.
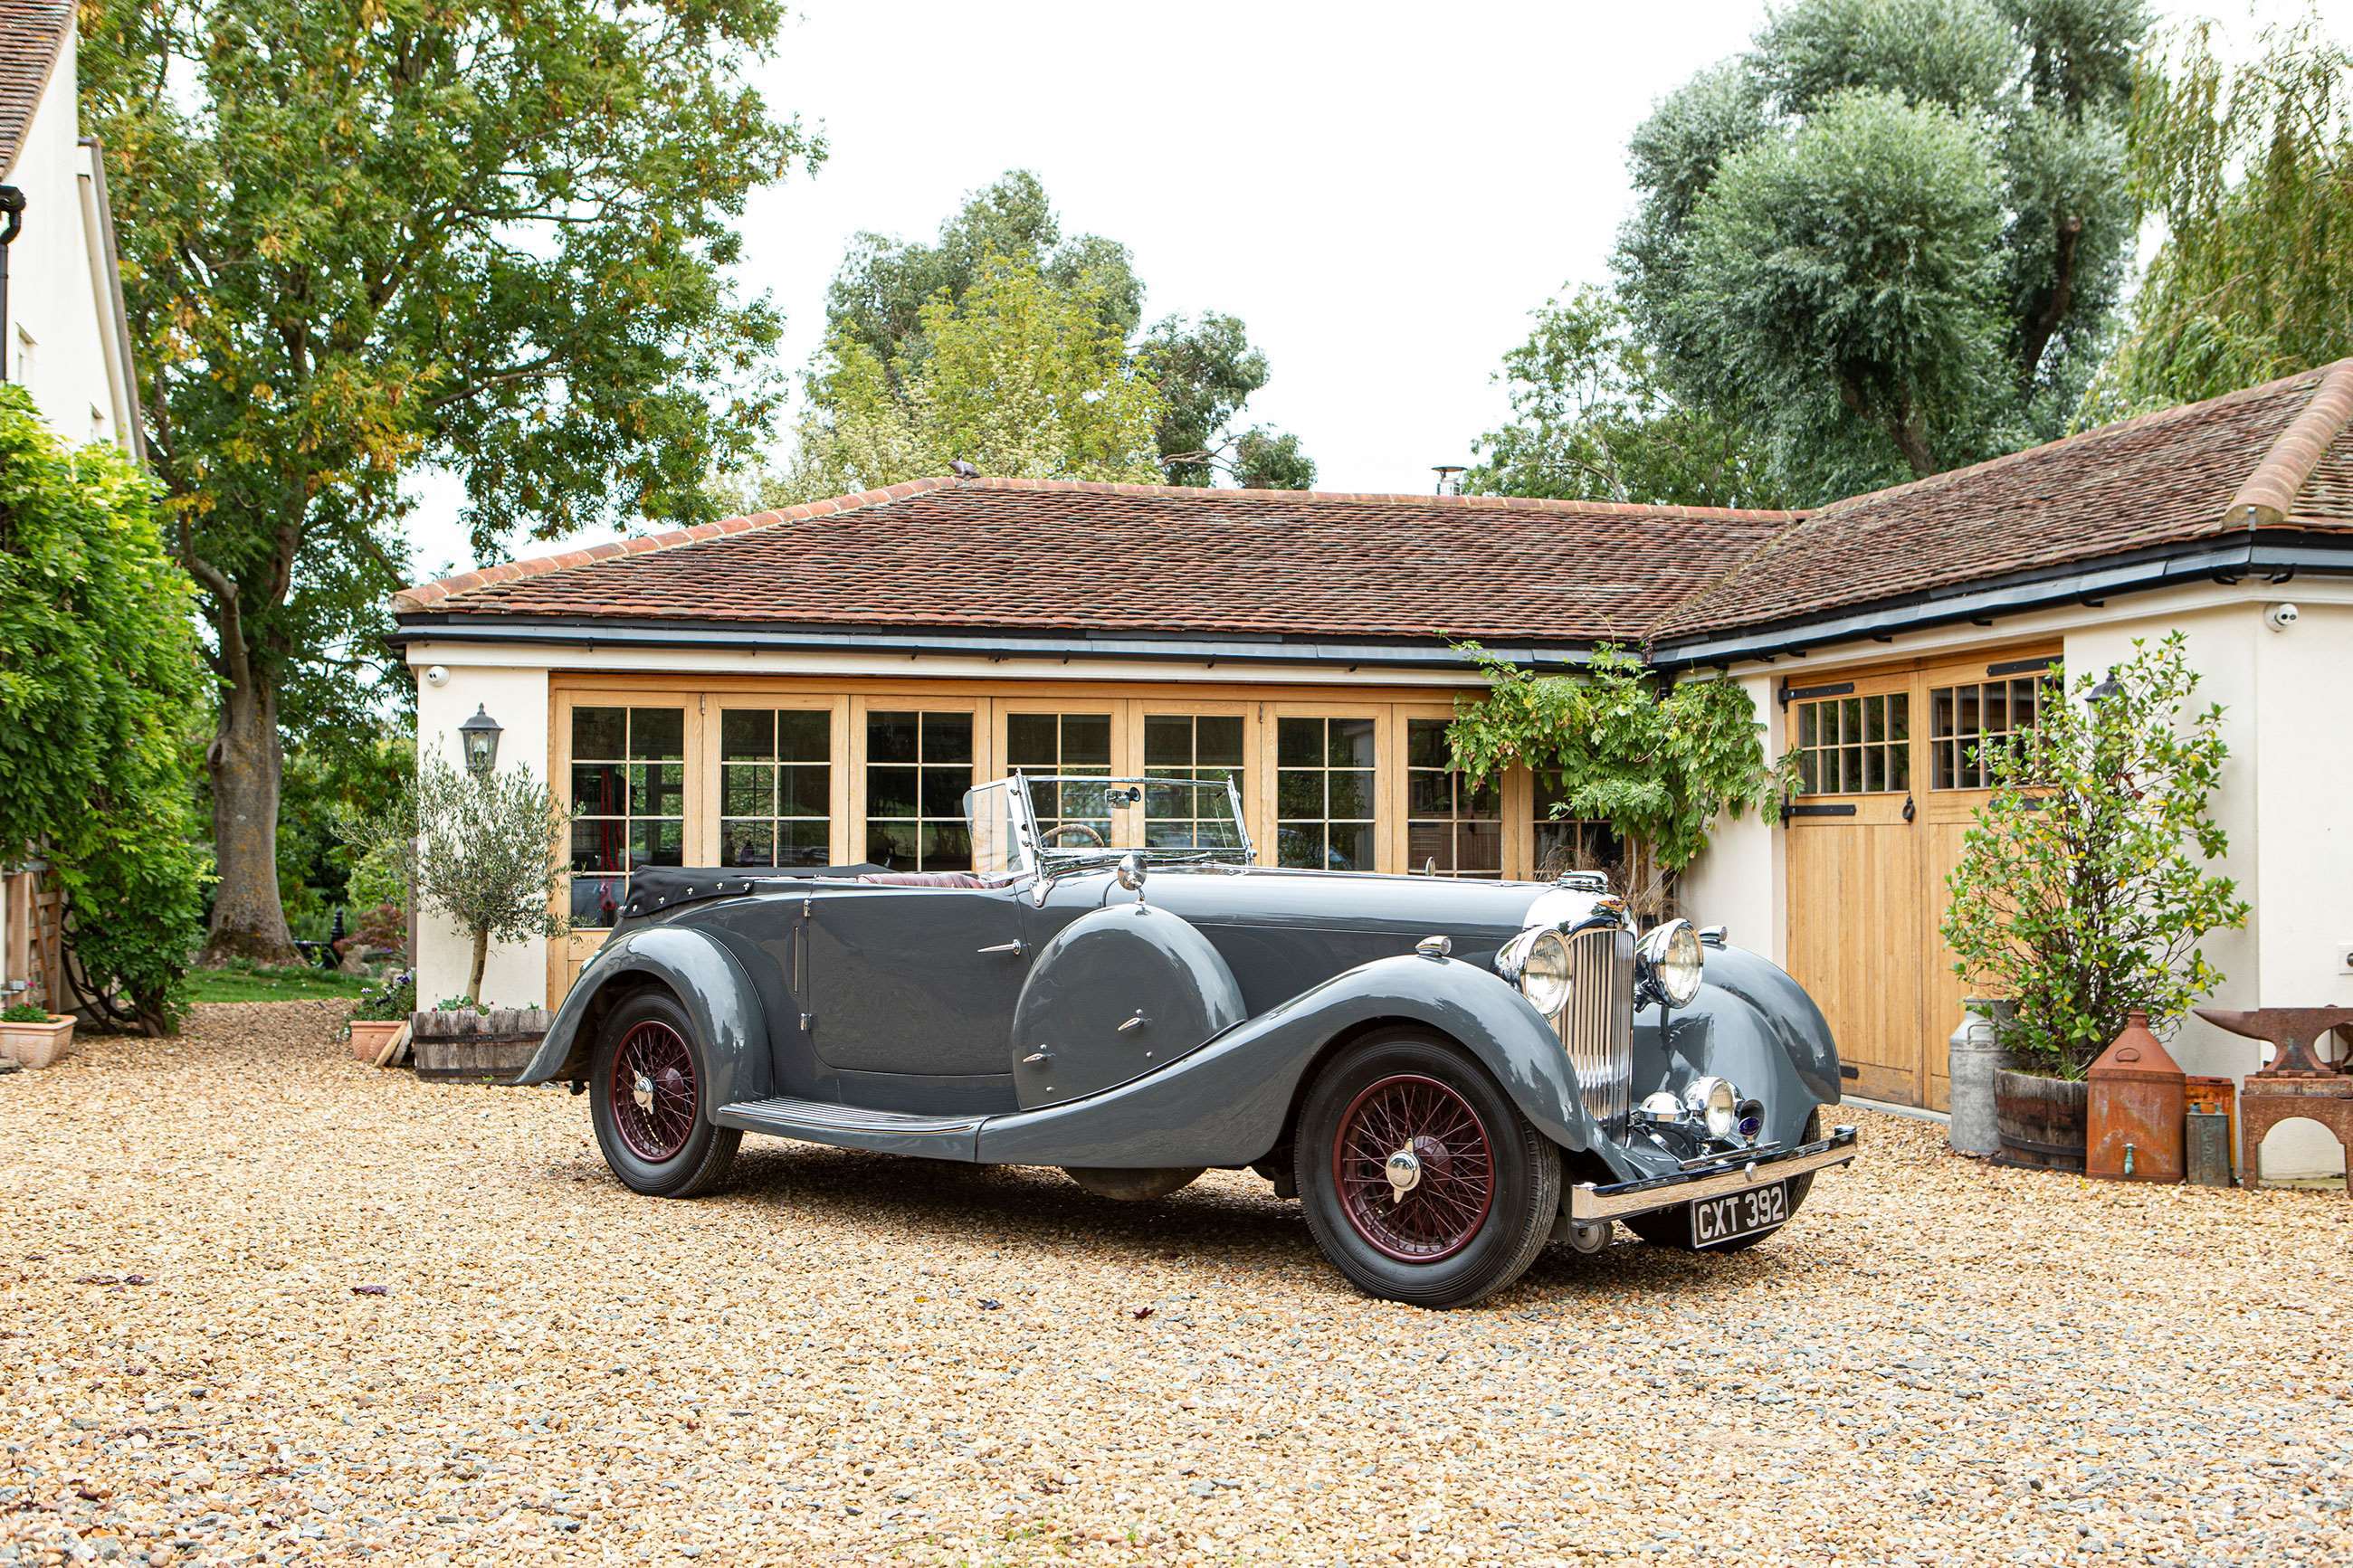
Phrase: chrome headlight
pixel 1715 1104
pixel 1673 962
pixel 1537 963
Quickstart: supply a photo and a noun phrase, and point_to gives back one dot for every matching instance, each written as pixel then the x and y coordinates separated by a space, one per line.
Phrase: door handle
pixel 1015 948
pixel 1136 1022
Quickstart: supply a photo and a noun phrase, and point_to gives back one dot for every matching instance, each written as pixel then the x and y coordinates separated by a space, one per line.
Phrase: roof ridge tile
pixel 2268 494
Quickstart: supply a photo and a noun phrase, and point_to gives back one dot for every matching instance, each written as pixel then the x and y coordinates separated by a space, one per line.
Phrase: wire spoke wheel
pixel 654 1091
pixel 1412 1128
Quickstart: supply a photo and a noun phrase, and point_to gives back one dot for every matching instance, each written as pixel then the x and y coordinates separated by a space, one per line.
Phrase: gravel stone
pixel 1940 1363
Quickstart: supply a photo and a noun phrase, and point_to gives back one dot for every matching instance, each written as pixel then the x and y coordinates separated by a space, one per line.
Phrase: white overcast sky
pixel 1381 191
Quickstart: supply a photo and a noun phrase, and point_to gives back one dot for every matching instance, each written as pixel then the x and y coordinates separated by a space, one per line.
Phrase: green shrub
pixel 396 998
pixel 100 682
pixel 23 1013
pixel 2082 891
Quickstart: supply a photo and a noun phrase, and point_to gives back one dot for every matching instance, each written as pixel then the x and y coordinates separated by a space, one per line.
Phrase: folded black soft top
pixel 659 887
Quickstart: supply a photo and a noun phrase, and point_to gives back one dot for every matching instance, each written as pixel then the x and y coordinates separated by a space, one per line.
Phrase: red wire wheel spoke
pixel 655 1054
pixel 1443 1212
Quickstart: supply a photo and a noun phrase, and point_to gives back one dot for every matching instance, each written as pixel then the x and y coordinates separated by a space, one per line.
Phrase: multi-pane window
pixel 1451 825
pixel 1206 748
pixel 918 766
pixel 1966 722
pixel 1324 794
pixel 1569 843
pixel 1068 744
pixel 628 800
pixel 775 786
pixel 1855 745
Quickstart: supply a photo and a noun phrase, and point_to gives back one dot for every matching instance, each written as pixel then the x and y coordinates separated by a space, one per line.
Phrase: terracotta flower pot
pixel 36 1045
pixel 370 1036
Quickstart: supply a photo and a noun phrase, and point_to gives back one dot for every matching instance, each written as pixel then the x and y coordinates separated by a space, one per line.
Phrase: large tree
pixel 1019 376
pixel 2251 172
pixel 1891 238
pixel 1591 421
pixel 360 236
pixel 1205 367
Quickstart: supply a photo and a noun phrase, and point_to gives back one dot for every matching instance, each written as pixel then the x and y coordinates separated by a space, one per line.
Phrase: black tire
pixel 702 1152
pixel 1672 1227
pixel 1470 1257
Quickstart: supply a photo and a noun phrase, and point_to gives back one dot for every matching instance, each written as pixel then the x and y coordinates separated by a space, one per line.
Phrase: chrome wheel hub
pixel 1404 1173
pixel 643 1092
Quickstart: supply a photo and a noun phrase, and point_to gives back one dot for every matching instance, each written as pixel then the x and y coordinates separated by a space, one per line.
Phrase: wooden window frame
pixel 699 827
pixel 1389 776
pixel 1131 762
pixel 864 704
pixel 836 708
pixel 1511 857
pixel 1125 832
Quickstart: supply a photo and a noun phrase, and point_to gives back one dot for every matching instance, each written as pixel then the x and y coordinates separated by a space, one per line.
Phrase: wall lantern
pixel 480 733
pixel 2107 689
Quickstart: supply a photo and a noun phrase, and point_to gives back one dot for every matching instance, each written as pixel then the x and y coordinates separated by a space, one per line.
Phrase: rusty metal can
pixel 2137 1098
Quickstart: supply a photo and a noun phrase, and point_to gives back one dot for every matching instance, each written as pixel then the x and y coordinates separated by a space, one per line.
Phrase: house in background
pixel 65 340
pixel 63 335
pixel 820 685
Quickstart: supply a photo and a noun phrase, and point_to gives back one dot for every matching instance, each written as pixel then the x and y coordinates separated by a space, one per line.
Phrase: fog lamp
pixel 1715 1104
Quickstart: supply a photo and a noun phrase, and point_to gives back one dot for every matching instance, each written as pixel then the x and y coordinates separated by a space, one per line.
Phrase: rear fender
pixel 1226 1102
pixel 707 981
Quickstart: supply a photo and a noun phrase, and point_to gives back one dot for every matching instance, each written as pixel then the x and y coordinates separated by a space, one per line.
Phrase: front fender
pixel 1752 1024
pixel 1226 1102
pixel 708 982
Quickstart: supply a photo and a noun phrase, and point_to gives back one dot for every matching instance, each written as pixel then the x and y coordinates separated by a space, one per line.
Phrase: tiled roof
pixel 1014 555
pixel 2169 477
pixel 1017 555
pixel 31 32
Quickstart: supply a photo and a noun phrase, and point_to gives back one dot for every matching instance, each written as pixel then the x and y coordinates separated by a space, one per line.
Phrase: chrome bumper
pixel 1588 1201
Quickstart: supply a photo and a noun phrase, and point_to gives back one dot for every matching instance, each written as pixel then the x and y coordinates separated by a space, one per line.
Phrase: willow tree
pixel 360 236
pixel 2251 172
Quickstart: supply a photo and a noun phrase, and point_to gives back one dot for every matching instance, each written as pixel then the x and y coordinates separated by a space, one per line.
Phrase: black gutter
pixel 12 207
pixel 742 636
pixel 2276 555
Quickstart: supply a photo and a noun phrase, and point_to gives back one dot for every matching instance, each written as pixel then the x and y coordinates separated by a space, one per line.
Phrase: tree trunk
pixel 246 763
pixel 482 957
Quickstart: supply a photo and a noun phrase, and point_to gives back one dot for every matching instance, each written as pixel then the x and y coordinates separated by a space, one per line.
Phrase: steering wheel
pixel 1089 828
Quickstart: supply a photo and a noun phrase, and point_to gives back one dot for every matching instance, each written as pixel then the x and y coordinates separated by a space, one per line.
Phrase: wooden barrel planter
pixel 495 1045
pixel 2041 1120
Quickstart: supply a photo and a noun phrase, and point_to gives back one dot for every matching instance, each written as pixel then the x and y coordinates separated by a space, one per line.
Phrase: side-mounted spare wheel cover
pixel 1119 992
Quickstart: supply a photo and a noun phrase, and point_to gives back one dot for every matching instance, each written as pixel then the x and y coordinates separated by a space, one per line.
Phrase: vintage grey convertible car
pixel 1447 1074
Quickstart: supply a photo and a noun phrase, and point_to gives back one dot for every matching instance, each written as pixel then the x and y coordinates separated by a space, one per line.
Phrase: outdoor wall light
pixel 480 734
pixel 2109 686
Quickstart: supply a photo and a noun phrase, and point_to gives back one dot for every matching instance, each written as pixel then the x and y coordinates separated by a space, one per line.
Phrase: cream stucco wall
pixel 1738 882
pixel 516 975
pixel 61 342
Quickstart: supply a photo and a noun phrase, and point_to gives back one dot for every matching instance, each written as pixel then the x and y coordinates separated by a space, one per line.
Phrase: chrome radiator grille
pixel 1598 1025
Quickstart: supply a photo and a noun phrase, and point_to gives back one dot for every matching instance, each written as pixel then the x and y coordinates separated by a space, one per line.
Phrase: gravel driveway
pixel 258 1302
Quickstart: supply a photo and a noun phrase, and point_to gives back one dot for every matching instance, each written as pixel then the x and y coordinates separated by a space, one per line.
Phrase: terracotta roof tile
pixel 1006 554
pixel 2167 477
pixel 31 34
pixel 1040 555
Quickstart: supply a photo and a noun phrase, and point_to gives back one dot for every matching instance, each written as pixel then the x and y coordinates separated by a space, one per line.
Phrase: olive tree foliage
pixel 99 681
pixel 1659 766
pixel 487 851
pixel 2083 889
pixel 2252 173
pixel 1891 238
pixel 1591 420
pixel 1019 377
pixel 361 236
pixel 885 300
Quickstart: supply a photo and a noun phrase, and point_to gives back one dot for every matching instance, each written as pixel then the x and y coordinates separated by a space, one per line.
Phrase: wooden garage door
pixel 1891 776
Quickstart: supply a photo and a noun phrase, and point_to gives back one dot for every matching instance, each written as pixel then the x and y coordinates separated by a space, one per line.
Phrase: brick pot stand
pixel 2297 1083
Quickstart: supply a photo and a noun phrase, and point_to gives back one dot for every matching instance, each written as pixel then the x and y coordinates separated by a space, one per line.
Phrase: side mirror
pixel 1130 872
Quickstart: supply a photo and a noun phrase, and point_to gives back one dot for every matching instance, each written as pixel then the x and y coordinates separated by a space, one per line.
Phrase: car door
pixel 915 980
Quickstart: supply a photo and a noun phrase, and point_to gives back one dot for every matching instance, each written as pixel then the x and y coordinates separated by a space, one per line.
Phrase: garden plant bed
pixel 852 1358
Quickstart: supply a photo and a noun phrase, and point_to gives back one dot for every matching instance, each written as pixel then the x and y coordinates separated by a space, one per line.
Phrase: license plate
pixel 1715 1221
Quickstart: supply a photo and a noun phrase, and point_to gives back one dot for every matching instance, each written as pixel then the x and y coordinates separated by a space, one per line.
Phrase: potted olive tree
pixel 2083 891
pixel 483 849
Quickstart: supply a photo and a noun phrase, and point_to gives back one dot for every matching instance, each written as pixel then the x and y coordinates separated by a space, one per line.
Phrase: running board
pixel 854 1127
